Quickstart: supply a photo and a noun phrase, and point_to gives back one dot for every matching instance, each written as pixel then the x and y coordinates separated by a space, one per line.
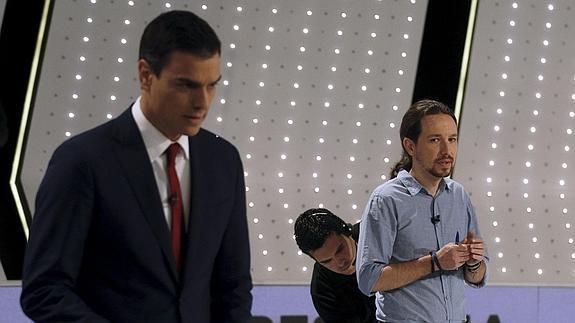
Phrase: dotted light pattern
pixel 312 94
pixel 516 142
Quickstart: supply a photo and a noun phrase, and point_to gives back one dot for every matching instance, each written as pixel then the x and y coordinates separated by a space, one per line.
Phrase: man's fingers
pixel 474 241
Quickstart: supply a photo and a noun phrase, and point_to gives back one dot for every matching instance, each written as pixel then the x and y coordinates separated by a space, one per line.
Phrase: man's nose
pixel 444 148
pixel 201 98
pixel 340 260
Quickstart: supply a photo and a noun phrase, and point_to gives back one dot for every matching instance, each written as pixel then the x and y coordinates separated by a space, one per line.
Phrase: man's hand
pixel 475 248
pixel 452 256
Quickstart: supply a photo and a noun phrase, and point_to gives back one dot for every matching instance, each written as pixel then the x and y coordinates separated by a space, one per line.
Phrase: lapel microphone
pixel 435 219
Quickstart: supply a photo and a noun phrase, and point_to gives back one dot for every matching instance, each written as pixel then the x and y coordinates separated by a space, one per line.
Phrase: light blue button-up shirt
pixel 396 227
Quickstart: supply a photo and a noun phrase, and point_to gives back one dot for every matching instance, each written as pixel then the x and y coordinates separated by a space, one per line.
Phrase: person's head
pixel 327 239
pixel 178 69
pixel 428 135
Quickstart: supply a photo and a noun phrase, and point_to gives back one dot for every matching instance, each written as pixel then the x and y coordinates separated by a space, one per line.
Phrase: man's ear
pixel 409 146
pixel 145 75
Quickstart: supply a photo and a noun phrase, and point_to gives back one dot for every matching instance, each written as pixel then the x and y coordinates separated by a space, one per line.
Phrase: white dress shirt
pixel 156 146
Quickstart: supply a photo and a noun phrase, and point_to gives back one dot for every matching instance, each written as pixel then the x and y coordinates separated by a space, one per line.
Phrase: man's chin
pixel 192 131
pixel 441 173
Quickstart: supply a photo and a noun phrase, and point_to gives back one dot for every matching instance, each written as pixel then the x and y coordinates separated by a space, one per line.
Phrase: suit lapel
pixel 194 220
pixel 134 160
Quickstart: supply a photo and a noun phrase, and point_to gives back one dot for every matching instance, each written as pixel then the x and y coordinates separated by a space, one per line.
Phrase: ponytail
pixel 403 163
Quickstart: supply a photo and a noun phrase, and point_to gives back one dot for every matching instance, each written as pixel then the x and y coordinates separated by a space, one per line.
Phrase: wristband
pixel 473 268
pixel 436 260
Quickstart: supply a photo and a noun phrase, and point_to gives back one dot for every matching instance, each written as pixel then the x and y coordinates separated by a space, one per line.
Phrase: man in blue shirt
pixel 409 249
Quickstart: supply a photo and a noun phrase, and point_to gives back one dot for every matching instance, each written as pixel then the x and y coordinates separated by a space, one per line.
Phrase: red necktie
pixel 176 206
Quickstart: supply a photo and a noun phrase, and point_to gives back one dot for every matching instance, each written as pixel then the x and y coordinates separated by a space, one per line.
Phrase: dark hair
pixel 313 226
pixel 411 128
pixel 177 31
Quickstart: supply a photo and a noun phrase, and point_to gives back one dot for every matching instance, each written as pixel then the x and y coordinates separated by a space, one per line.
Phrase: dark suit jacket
pixel 99 247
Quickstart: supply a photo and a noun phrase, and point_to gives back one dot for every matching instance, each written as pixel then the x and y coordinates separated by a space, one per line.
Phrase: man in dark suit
pixel 142 219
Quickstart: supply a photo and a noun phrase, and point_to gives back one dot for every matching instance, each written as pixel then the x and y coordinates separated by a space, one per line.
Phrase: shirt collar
pixel 156 143
pixel 414 187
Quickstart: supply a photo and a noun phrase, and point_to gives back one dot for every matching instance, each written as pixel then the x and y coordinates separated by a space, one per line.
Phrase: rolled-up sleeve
pixel 377 233
pixel 474 227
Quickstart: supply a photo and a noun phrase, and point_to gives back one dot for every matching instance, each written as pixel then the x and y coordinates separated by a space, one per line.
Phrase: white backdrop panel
pixel 516 143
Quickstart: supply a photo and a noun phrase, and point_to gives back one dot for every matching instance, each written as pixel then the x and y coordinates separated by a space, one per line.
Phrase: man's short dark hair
pixel 177 30
pixel 313 226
